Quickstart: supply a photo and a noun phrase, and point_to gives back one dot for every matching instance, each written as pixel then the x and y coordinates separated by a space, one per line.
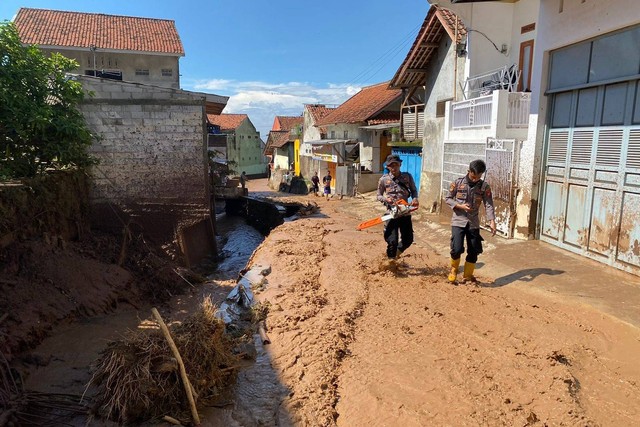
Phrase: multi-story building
pixel 142 50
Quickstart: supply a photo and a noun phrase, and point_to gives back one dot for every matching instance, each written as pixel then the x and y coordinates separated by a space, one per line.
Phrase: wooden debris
pixel 263 334
pixel 183 372
pixel 171 420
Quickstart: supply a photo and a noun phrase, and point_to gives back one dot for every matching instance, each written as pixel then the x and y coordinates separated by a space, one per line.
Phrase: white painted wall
pixel 557 27
pixel 501 23
pixel 127 63
pixel 353 131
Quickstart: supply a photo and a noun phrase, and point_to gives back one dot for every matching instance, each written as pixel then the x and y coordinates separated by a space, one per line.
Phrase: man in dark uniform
pixel 393 187
pixel 464 197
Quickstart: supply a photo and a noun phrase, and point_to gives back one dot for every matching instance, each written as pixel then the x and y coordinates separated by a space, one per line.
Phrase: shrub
pixel 40 125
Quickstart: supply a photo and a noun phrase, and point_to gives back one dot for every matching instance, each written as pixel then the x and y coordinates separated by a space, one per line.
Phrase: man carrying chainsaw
pixel 394 190
pixel 464 197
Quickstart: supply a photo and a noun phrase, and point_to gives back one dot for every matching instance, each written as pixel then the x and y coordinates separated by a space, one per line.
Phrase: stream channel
pixel 255 398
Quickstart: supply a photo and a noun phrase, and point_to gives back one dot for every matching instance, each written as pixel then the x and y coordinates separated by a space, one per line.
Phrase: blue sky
pixel 271 57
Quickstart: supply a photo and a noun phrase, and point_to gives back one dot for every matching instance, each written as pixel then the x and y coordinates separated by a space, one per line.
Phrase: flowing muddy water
pixel 66 355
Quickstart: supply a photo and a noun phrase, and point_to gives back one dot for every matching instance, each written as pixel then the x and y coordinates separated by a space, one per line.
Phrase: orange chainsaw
pixel 401 208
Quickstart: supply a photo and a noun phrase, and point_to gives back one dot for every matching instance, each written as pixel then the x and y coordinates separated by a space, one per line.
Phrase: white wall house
pixel 582 167
pixel 473 62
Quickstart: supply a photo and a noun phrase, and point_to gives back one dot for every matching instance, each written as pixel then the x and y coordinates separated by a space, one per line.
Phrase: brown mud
pixel 359 341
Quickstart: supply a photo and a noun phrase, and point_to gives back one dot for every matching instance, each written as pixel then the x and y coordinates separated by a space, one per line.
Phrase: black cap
pixel 393 158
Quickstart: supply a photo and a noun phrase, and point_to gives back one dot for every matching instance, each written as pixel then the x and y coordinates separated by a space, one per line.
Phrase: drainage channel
pixel 257 393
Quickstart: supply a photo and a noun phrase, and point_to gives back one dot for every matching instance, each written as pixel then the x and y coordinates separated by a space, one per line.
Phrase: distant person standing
pixel 326 182
pixel 315 183
pixel 243 179
pixel 464 197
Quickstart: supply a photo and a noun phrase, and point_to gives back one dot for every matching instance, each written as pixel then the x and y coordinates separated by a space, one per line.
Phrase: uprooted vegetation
pixel 138 379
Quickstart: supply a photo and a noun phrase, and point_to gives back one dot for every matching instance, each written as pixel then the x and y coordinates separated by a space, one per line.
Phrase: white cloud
pixel 263 101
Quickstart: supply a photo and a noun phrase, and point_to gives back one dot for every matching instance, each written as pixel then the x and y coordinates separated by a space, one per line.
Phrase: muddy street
pixel 357 341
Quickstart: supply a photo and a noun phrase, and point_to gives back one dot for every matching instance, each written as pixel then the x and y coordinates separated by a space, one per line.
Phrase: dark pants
pixel 393 230
pixel 474 243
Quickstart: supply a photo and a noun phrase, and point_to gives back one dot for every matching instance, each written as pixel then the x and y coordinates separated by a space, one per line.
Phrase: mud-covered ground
pixel 358 342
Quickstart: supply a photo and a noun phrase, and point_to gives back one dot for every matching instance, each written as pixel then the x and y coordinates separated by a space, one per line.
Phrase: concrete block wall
pixel 151 147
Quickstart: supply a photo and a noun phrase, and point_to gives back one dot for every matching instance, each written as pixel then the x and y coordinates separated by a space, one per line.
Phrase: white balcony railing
pixel 518 110
pixel 502 114
pixel 474 112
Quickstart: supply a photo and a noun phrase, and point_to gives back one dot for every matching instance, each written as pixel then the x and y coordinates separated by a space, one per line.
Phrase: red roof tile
pixel 227 121
pixel 287 122
pixel 385 117
pixel 363 105
pixel 277 139
pixel 78 29
pixel 318 111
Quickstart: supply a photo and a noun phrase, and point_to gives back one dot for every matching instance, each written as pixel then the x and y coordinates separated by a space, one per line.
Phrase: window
pixel 140 72
pixel 333 134
pixel 345 134
pixel 167 72
pixel 441 107
pixel 105 74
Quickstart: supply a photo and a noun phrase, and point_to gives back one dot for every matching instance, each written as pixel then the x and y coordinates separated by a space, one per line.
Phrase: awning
pixel 326 141
pixel 381 126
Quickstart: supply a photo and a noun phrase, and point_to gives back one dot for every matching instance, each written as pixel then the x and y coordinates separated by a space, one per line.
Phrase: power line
pixel 386 57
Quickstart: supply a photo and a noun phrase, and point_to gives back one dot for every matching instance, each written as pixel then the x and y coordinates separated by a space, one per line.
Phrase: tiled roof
pixel 438 22
pixel 45 27
pixel 318 111
pixel 287 122
pixel 362 106
pixel 227 121
pixel 384 117
pixel 276 139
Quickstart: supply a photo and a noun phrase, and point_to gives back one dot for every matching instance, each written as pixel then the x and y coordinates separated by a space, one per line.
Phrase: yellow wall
pixel 296 156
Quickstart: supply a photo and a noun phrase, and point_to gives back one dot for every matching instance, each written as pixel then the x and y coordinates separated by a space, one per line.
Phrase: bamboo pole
pixel 183 371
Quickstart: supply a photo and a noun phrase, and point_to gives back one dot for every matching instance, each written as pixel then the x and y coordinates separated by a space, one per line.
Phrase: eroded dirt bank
pixel 356 343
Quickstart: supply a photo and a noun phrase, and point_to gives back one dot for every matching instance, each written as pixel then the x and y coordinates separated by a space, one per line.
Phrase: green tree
pixel 40 125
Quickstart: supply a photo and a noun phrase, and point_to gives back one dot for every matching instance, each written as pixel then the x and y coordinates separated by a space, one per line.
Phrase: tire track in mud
pixel 315 299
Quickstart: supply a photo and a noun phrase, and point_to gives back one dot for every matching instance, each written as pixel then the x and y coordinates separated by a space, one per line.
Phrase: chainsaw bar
pixel 385 218
pixel 374 221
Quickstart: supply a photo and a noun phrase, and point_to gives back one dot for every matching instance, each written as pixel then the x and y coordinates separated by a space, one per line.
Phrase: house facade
pixel 310 132
pixel 236 134
pixel 584 162
pixel 141 50
pixel 358 137
pixel 469 60
pixel 552 107
pixel 283 143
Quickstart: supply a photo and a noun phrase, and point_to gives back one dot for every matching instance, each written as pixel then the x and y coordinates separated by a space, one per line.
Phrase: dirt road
pixel 357 343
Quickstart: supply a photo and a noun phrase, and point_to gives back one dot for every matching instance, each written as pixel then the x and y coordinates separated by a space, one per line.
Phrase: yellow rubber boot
pixel 467 275
pixel 455 263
